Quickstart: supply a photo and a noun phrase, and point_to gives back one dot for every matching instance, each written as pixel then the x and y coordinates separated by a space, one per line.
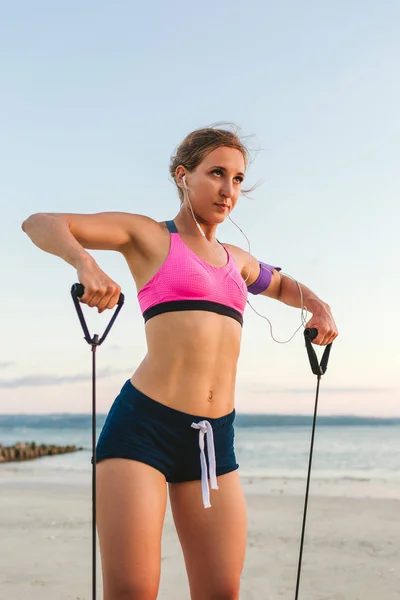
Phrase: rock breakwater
pixel 31 450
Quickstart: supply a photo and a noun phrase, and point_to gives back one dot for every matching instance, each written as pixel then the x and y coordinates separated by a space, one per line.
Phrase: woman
pixel 192 291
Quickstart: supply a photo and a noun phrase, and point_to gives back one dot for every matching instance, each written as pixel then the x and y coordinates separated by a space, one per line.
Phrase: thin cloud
pixel 330 390
pixel 6 364
pixel 115 347
pixel 45 380
pixel 339 390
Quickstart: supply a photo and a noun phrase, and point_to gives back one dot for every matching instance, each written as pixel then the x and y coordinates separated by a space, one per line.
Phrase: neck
pixel 186 224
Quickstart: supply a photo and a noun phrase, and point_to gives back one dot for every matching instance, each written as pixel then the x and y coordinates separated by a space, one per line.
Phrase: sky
pixel 95 97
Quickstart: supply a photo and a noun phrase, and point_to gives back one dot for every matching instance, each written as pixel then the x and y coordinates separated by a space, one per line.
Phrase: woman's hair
pixel 201 142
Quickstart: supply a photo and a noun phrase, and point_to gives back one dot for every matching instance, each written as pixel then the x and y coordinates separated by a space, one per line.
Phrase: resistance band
pixel 318 369
pixel 77 292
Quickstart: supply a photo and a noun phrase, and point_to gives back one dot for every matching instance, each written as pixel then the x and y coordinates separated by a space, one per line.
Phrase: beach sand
pixel 351 552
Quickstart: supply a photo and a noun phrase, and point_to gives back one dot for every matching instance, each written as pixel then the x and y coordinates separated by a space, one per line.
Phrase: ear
pixel 180 172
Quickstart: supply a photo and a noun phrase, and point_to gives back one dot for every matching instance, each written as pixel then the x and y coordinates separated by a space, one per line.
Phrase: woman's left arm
pixel 275 285
pixel 286 290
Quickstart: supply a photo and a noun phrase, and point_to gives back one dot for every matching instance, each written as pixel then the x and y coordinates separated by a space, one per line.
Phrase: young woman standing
pixel 173 419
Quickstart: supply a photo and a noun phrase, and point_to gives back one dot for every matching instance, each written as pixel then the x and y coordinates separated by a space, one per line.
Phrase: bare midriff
pixel 191 362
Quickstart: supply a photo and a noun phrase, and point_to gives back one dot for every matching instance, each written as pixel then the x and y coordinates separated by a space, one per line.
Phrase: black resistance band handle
pixel 311 333
pixel 317 368
pixel 77 291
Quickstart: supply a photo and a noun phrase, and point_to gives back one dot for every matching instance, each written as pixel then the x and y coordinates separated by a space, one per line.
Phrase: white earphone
pixel 190 206
pixel 303 315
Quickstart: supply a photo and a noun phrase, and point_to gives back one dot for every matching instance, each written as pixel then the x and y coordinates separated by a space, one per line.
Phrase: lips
pixel 222 205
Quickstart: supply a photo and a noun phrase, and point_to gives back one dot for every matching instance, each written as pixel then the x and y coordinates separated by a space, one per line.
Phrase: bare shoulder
pixel 147 237
pixel 145 232
pixel 246 263
pixel 142 232
pixel 236 252
pixel 249 268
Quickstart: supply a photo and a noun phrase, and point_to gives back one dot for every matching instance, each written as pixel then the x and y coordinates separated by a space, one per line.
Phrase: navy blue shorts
pixel 142 429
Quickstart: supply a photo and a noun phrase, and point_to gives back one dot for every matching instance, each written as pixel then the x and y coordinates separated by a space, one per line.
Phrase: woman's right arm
pixel 67 235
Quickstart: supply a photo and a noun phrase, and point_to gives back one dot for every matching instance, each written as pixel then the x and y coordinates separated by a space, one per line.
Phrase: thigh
pixel 213 540
pixel 131 503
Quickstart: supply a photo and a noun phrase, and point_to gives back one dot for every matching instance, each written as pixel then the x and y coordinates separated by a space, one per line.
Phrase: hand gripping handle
pixel 310 333
pixel 77 291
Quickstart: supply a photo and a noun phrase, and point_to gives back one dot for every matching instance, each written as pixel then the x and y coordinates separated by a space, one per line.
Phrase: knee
pixel 133 591
pixel 227 589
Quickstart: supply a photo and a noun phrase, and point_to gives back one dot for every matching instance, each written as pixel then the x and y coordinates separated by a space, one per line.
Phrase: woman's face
pixel 215 184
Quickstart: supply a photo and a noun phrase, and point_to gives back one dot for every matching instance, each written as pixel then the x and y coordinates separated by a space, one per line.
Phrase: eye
pixel 238 179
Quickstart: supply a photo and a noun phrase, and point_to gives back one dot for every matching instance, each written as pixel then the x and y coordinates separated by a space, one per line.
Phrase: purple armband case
pixel 263 280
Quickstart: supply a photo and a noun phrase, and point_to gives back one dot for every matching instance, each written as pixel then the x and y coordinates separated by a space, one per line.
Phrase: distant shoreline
pixel 84 420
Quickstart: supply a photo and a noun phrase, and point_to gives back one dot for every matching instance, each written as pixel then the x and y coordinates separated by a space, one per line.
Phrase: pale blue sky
pixel 95 96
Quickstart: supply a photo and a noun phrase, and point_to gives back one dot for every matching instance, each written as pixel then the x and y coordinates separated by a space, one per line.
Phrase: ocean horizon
pixel 347 448
pixel 83 420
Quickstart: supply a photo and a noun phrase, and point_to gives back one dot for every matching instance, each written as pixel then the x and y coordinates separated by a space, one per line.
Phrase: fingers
pixel 328 338
pixel 327 330
pixel 110 299
pixel 104 297
pixel 325 337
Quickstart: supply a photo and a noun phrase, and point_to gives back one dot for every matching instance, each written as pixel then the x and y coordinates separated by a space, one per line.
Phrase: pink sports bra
pixel 186 282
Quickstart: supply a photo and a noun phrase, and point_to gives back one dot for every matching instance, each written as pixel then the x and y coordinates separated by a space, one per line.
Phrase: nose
pixel 227 189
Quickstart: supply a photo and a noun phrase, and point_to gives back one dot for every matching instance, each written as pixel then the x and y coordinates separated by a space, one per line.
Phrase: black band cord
pixel 77 292
pixel 318 369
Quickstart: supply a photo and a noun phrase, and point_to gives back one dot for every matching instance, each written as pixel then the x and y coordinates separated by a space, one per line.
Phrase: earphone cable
pixel 304 311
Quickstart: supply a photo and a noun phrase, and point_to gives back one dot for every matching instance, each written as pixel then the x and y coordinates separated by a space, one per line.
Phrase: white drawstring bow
pixel 205 428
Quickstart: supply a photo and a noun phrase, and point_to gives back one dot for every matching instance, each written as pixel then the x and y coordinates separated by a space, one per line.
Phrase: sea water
pixel 267 446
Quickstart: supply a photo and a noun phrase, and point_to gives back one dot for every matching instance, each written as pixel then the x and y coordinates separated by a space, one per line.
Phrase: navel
pixel 210 395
